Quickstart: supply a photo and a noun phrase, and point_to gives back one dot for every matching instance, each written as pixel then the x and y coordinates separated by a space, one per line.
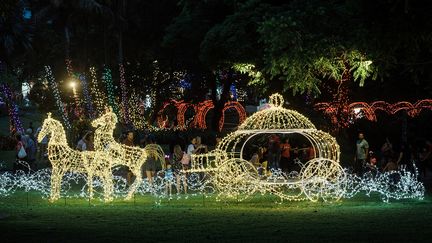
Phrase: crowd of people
pixel 392 157
pixel 179 162
pixel 281 155
pixel 26 150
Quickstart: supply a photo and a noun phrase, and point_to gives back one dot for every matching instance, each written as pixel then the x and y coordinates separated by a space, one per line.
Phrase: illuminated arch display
pixel 232 105
pixel 181 112
pixel 369 110
pixel 161 119
pixel 201 110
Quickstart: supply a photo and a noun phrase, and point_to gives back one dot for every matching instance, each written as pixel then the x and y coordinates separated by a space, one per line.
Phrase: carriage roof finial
pixel 276 100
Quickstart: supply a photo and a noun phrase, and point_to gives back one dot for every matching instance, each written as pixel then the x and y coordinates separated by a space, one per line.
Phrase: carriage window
pixel 283 151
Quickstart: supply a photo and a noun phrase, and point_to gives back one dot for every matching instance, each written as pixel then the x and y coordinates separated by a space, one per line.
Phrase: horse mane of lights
pixel 222 172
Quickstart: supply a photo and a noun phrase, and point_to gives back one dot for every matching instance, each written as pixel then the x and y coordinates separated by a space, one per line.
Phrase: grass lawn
pixel 194 219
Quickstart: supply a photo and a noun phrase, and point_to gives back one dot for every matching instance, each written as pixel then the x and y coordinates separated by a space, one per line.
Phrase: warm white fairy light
pixel 222 171
pixel 383 184
pixel 120 154
pixel 99 97
pixel 60 105
pixel 135 109
pixel 65 159
pixel 320 178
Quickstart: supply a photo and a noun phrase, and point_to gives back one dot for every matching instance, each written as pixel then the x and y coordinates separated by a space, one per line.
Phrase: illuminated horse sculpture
pixel 65 159
pixel 132 157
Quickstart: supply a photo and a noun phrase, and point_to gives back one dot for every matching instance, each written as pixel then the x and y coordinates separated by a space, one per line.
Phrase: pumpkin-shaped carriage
pixel 234 177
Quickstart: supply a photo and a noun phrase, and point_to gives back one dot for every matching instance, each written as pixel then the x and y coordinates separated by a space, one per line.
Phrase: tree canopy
pixel 295 46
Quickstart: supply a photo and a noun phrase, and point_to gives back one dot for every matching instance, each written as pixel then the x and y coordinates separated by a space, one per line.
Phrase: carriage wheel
pixel 323 178
pixel 236 178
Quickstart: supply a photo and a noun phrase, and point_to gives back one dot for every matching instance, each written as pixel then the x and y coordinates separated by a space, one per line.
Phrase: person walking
pixel 30 149
pixel 20 154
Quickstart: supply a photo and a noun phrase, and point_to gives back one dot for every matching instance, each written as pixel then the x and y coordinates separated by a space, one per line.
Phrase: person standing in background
pixel 362 151
pixel 42 147
pixel 200 148
pixel 179 168
pixel 30 149
pixel 274 152
pixel 286 154
pixel 21 154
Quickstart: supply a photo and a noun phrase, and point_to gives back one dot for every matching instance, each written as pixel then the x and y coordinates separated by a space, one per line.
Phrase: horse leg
pixel 56 178
pixel 90 184
pixel 136 183
pixel 108 186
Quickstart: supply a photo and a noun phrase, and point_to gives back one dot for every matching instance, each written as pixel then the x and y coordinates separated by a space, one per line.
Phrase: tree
pixel 16 33
pixel 64 13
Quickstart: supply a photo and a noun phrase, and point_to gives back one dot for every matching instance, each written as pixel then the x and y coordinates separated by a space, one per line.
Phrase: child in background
pixel 169 177
pixel 372 159
pixel 372 164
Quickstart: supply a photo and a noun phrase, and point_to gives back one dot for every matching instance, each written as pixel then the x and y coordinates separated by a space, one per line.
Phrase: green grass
pixel 197 220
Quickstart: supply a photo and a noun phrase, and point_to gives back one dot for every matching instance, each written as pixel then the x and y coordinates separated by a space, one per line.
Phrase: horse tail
pixel 156 151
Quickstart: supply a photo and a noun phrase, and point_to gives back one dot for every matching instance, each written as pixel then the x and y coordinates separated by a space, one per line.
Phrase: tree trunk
pixel 105 41
pixel 85 65
pixel 120 13
pixel 67 42
pixel 404 128
pixel 67 51
pixel 219 104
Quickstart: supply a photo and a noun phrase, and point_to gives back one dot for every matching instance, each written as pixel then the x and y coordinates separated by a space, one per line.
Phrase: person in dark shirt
pixel 404 157
pixel 286 155
pixel 129 140
pixel 274 152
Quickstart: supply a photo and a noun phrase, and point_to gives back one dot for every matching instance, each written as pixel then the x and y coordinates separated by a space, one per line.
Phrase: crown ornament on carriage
pixel 276 100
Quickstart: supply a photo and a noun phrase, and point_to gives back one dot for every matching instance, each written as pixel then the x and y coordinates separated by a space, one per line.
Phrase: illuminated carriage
pixel 234 177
